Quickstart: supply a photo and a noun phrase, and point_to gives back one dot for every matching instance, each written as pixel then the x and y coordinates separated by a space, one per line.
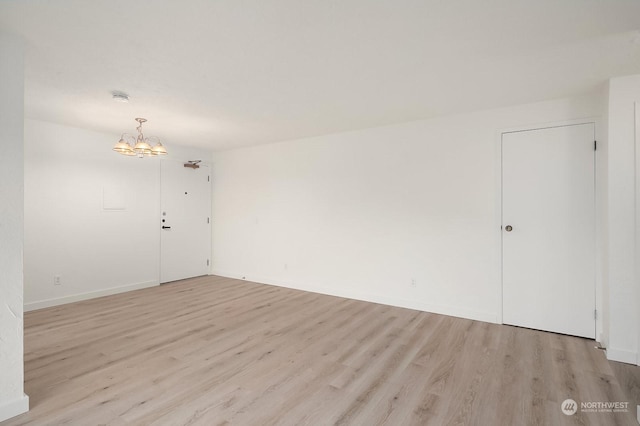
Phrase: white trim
pixel 636 225
pixel 498 223
pixel 47 303
pixel 548 125
pixel 621 355
pixel 14 407
pixel 370 297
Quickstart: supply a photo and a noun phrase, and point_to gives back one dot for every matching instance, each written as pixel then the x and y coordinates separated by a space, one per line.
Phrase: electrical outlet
pixel 56 280
pixel 413 282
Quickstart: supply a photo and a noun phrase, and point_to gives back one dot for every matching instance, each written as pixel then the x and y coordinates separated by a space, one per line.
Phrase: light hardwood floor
pixel 217 351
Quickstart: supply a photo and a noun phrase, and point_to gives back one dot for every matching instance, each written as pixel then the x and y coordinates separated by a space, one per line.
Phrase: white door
pixel 185 242
pixel 548 229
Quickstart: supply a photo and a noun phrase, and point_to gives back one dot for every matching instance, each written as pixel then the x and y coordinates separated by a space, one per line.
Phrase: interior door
pixel 185 242
pixel 548 229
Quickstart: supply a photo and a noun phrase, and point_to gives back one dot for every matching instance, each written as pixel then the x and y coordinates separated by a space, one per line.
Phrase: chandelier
pixel 141 147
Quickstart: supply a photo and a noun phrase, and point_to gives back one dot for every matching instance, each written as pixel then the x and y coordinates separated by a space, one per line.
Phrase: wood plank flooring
pixel 219 351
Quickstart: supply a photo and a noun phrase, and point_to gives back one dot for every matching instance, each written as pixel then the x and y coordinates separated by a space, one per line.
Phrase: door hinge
pixel 207 220
pixel 208 179
pixel 595 145
pixel 207 262
pixel 595 314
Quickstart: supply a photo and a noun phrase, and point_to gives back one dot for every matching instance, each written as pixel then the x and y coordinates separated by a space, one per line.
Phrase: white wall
pixel 624 303
pixel 68 233
pixel 364 213
pixel 12 399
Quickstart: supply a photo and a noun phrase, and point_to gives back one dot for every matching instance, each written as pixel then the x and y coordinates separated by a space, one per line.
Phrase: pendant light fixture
pixel 142 147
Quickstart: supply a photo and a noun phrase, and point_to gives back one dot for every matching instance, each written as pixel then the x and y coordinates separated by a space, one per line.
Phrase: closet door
pixel 548 229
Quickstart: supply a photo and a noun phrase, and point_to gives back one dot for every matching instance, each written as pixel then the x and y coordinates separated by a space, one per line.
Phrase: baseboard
pixel 619 355
pixel 14 407
pixel 453 311
pixel 47 303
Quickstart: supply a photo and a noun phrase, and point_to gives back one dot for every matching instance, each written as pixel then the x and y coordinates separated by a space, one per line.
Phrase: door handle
pixel 166 227
pixel 508 228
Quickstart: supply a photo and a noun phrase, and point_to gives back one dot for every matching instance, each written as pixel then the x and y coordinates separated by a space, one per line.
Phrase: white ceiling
pixel 220 74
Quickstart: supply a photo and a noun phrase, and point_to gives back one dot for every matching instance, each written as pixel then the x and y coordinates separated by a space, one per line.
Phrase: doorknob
pixel 166 227
pixel 508 228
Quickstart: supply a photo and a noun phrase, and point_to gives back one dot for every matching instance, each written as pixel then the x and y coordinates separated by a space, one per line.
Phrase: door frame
pixel 600 180
pixel 636 110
